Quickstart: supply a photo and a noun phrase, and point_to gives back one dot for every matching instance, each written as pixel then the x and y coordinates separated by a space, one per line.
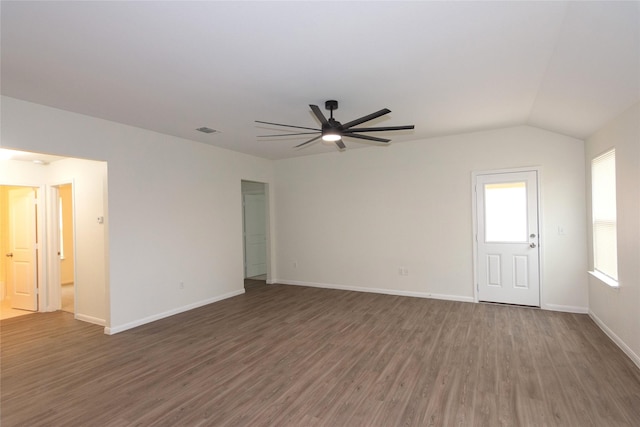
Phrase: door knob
pixel 532 245
pixel 9 255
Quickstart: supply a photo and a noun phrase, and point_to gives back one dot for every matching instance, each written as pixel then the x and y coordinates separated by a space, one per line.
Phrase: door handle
pixel 9 255
pixel 532 245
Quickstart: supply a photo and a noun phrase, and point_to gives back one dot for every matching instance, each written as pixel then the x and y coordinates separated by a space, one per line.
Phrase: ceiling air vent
pixel 205 129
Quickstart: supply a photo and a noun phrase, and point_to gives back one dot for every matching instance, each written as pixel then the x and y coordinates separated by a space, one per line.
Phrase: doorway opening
pixel 255 233
pixel 72 261
pixel 66 248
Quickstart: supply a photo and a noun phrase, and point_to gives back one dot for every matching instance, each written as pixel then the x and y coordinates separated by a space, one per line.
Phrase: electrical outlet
pixel 181 285
pixel 295 264
pixel 403 271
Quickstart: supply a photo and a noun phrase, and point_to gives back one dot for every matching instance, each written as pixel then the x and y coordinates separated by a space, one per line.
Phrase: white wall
pixel 89 201
pixel 349 220
pixel 346 219
pixel 174 208
pixel 617 310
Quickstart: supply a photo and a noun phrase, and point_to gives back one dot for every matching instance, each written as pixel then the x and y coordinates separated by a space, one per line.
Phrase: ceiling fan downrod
pixel 331 105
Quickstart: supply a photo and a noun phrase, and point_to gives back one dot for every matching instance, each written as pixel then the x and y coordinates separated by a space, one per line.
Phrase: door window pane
pixel 506 212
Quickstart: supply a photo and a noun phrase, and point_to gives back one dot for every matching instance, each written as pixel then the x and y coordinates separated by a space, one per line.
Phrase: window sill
pixel 605 279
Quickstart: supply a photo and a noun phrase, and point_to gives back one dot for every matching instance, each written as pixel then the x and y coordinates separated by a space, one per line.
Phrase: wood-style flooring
pixel 296 356
pixel 251 284
pixel 7 311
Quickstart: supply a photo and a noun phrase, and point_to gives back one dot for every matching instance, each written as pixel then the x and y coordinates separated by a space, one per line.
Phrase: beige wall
pixel 4 241
pixel 617 310
pixel 66 264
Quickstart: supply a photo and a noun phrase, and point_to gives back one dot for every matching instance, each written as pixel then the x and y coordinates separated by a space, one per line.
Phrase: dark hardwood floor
pixel 296 356
pixel 251 284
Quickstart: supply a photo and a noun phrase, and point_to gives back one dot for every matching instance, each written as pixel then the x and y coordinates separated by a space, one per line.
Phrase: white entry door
pixel 507 238
pixel 255 235
pixel 22 249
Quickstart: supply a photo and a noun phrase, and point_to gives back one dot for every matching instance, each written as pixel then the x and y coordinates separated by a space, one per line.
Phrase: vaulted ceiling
pixel 447 67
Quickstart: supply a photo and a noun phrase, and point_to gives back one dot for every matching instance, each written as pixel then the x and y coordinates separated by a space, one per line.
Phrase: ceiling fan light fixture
pixel 331 136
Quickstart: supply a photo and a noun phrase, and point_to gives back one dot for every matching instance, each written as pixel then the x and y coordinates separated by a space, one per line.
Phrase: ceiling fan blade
pixel 340 144
pixel 308 142
pixel 367 137
pixel 321 118
pixel 378 129
pixel 288 134
pixel 366 118
pixel 289 126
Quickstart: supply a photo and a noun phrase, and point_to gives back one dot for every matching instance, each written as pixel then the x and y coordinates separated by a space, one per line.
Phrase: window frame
pixel 599 273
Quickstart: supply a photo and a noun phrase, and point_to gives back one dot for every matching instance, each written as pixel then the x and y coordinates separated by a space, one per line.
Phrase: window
pixel 506 212
pixel 603 201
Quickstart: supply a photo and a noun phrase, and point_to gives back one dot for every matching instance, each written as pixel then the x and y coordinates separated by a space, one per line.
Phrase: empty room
pixel 320 213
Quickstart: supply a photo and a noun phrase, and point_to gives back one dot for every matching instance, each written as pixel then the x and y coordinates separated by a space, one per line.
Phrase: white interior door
pixel 255 235
pixel 507 238
pixel 22 246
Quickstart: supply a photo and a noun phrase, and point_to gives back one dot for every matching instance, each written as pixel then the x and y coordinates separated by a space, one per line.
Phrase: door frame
pixel 41 236
pixel 246 196
pixel 474 221
pixel 54 285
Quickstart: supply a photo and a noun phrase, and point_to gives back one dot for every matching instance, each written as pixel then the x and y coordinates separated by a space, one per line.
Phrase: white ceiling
pixel 447 67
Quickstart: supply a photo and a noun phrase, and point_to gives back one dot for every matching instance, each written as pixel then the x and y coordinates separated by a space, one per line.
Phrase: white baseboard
pixel 566 308
pixel 378 290
pixel 616 339
pixel 551 307
pixel 90 319
pixel 149 319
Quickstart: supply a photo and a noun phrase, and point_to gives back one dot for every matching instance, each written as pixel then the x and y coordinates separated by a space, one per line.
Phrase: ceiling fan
pixel 333 131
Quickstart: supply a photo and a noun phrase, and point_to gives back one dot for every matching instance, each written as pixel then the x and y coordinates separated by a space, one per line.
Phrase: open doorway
pixel 72 261
pixel 66 248
pixel 255 233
